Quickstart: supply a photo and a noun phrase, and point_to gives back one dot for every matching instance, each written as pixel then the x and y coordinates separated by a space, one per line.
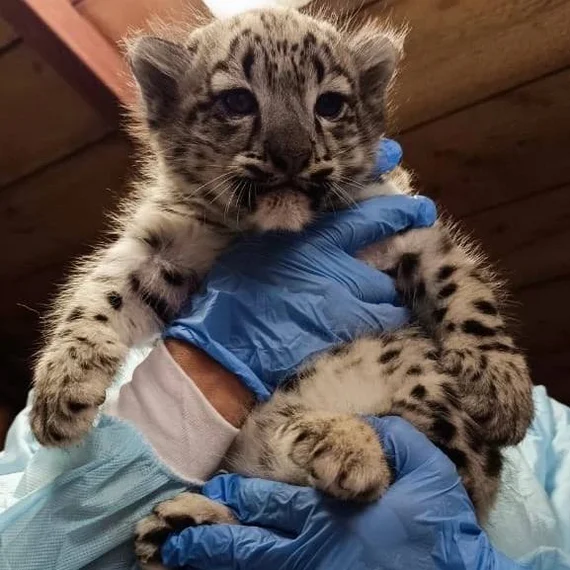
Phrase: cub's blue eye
pixel 239 102
pixel 330 105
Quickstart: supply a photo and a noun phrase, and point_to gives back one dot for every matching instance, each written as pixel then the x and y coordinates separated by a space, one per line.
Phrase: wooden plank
pixel 529 238
pixel 43 118
pixel 496 151
pixel 75 48
pixel 24 300
pixel 544 314
pixel 116 19
pixel 53 216
pixel 553 371
pixel 545 317
pixel 7 34
pixel 16 354
pixel 458 53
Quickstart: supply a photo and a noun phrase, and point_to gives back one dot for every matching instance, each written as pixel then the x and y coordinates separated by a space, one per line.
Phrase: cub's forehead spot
pixel 255 59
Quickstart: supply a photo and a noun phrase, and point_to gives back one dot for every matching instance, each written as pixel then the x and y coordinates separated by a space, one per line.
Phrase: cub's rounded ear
pixel 377 55
pixel 158 67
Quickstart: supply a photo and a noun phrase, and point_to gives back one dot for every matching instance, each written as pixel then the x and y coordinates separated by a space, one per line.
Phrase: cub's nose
pixel 289 153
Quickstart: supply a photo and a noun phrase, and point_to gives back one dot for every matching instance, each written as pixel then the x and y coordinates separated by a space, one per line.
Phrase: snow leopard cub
pixel 307 100
pixel 259 122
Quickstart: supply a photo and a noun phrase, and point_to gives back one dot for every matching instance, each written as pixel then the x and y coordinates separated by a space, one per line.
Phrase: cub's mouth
pixel 288 210
pixel 284 207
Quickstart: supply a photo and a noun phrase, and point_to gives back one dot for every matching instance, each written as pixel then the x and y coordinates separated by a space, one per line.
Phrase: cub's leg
pixel 457 299
pixel 122 295
pixel 338 454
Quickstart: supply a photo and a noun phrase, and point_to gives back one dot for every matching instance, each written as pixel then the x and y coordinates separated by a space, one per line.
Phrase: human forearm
pixel 189 424
pixel 230 398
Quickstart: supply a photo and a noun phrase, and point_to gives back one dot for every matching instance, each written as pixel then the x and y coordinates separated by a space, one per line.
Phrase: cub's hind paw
pixel 341 456
pixel 187 509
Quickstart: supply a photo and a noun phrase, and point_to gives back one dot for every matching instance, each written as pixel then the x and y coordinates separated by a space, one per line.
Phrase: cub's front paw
pixel 70 383
pixel 187 509
pixel 341 456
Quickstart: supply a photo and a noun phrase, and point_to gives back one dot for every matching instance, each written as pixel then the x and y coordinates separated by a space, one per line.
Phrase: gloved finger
pixel 409 450
pixel 375 219
pixel 219 546
pixel 264 503
pixel 388 156
pixel 364 281
pixel 371 318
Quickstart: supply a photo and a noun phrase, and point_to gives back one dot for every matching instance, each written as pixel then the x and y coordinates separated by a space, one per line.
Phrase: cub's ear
pixel 377 55
pixel 158 66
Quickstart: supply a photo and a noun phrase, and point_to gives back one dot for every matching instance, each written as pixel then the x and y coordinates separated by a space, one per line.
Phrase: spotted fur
pixel 456 375
pixel 260 122
pixel 211 172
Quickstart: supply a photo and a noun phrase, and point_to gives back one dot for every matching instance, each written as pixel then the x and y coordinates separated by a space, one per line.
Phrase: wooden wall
pixel 482 111
pixel 483 114
pixel 61 166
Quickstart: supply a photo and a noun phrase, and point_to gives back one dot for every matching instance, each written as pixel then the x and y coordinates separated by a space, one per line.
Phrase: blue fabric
pixel 85 517
pixel 276 299
pixel 530 522
pixel 425 520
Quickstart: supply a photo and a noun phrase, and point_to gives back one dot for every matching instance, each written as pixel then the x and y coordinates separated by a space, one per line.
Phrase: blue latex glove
pixel 275 299
pixel 424 521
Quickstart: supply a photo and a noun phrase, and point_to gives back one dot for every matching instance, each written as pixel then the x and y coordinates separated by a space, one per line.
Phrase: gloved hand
pixel 424 521
pixel 273 300
pixel 276 299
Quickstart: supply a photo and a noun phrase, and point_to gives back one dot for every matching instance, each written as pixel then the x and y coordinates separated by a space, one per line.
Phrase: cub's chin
pixel 285 210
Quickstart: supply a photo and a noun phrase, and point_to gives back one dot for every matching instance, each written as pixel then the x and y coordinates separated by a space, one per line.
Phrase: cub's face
pixel 267 117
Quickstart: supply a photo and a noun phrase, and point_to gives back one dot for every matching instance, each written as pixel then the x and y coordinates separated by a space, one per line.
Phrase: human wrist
pixel 223 389
pixel 205 336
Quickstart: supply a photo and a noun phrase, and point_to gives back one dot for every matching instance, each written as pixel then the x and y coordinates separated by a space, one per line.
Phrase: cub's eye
pixel 330 105
pixel 239 101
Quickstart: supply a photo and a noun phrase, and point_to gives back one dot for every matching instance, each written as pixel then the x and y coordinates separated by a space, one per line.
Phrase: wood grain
pixel 43 118
pixel 7 34
pixel 544 314
pixel 75 48
pixel 528 238
pixel 499 150
pixel 51 217
pixel 116 19
pixel 460 52
pixel 553 371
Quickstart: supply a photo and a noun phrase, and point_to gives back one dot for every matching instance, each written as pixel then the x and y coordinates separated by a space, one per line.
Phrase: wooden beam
pixel 116 19
pixel 544 315
pixel 7 36
pixel 74 47
pixel 553 371
pixel 529 238
pixel 460 53
pixel 57 214
pixel 496 151
pixel 43 118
